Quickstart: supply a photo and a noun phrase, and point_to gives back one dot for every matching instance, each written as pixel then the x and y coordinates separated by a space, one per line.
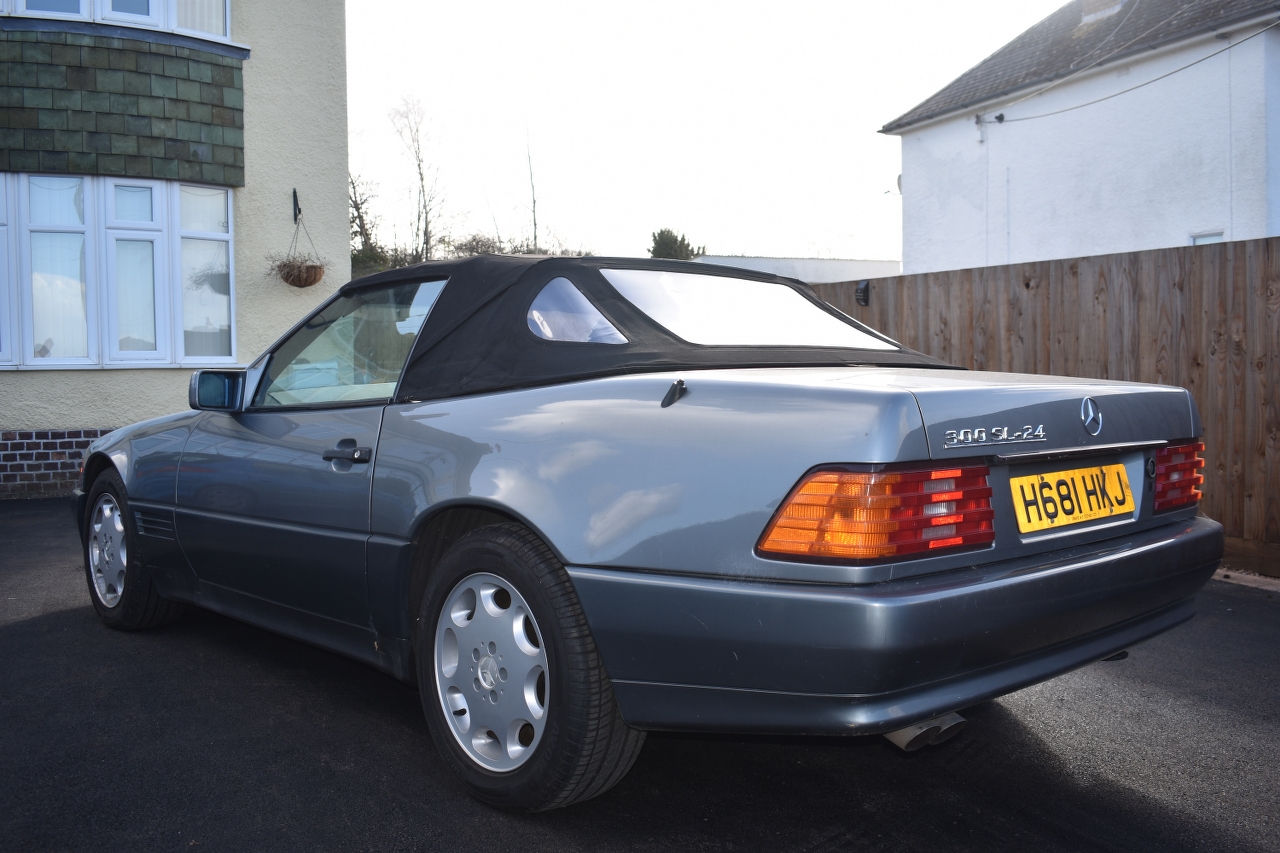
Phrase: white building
pixel 1110 126
pixel 808 270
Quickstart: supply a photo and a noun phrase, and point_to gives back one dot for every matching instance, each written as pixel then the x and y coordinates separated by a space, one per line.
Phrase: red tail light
pixel 863 516
pixel 1178 477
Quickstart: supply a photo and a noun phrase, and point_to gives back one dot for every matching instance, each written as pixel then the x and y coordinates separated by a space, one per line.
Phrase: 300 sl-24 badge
pixel 981 437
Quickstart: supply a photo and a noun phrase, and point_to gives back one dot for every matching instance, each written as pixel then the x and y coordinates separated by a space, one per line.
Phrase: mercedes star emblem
pixel 1091 415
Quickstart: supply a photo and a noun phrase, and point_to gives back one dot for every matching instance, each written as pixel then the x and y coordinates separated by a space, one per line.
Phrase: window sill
pixel 118 29
pixel 142 365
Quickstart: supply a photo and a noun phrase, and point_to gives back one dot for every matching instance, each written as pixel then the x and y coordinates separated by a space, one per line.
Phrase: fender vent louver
pixel 157 525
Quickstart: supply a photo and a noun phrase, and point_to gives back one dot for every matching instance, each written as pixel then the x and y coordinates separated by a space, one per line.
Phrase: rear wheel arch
pixel 434 536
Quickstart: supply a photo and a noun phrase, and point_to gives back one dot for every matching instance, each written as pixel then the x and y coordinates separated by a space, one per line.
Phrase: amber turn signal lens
pixel 1178 477
pixel 856 516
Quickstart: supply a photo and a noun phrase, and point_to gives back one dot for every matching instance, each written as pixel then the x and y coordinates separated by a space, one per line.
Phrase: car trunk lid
pixel 969 414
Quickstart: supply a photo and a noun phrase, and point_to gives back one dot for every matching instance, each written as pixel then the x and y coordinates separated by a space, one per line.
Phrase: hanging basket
pixel 294 268
pixel 298 271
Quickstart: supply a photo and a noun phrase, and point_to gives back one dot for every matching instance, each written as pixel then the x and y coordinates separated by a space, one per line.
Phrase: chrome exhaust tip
pixel 922 734
pixel 914 737
pixel 949 725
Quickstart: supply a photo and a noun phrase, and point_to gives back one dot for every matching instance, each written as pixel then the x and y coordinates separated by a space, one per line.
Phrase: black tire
pixel 586 747
pixel 138 604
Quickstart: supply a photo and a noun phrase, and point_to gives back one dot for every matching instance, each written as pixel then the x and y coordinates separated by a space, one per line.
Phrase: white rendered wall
pixel 1189 154
pixel 295 136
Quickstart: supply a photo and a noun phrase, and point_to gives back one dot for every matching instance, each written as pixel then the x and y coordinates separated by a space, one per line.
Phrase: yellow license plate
pixel 1063 498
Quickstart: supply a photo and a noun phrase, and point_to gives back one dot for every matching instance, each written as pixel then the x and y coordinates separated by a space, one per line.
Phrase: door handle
pixel 350 454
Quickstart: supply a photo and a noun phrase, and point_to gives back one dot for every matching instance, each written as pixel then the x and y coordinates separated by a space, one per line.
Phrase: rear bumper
pixel 698 654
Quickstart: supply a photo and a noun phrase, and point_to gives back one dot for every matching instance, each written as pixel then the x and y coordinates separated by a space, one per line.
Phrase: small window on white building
pixel 116 272
pixel 1206 239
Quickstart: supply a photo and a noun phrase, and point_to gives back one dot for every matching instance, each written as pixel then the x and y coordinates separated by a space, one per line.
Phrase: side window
pixel 351 351
pixel 561 313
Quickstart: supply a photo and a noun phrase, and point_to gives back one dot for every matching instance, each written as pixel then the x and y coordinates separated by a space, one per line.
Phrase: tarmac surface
pixel 212 734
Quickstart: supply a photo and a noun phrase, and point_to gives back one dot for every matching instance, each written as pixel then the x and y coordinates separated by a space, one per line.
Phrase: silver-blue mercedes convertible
pixel 576 500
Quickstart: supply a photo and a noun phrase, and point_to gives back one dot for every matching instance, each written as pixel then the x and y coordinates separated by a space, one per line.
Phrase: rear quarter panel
pixel 610 478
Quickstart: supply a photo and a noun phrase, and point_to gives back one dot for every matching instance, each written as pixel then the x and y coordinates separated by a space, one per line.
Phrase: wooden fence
pixel 1205 317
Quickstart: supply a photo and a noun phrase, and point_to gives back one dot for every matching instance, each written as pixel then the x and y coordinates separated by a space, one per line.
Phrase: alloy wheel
pixel 491 672
pixel 108 551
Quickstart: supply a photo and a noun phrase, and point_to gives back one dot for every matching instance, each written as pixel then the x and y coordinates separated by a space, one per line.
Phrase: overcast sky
pixel 749 126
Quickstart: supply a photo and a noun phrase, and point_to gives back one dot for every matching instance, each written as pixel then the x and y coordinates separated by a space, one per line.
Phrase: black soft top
pixel 477 337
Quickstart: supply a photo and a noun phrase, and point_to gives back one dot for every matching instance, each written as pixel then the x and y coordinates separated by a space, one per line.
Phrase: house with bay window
pixel 150 152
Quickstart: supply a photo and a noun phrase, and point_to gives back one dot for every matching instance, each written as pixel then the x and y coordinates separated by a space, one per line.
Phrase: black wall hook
pixel 297 211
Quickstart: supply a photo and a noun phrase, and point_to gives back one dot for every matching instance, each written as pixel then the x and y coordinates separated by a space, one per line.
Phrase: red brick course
pixel 42 463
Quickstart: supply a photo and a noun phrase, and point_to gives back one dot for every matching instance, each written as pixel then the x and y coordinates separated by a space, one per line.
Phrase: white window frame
pixel 175 219
pixel 101 230
pixel 159 205
pixel 9 295
pixel 164 16
pixel 85 13
pixel 226 24
pixel 25 296
pixel 163 289
pixel 155 20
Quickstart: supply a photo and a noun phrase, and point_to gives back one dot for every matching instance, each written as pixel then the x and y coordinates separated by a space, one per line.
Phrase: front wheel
pixel 119 585
pixel 515 693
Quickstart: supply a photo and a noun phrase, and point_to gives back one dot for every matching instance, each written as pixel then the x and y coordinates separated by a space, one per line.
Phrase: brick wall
pixel 42 463
pixel 90 104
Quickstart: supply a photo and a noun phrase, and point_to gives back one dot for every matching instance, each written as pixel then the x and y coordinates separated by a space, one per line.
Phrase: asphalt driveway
pixel 212 734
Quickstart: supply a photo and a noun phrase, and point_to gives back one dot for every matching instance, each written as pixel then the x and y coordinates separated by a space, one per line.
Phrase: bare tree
pixel 407 120
pixel 533 193
pixel 363 222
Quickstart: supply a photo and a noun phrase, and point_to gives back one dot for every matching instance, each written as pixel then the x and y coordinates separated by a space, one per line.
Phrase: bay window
pixel 200 18
pixel 115 272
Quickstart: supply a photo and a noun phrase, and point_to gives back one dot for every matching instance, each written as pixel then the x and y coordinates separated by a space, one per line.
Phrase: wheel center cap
pixel 488 672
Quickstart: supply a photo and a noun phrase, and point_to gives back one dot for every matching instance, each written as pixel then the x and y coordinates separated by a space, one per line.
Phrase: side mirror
pixel 216 390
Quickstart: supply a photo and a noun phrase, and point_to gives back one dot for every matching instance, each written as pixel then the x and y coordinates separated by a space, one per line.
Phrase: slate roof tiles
pixel 1061 44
